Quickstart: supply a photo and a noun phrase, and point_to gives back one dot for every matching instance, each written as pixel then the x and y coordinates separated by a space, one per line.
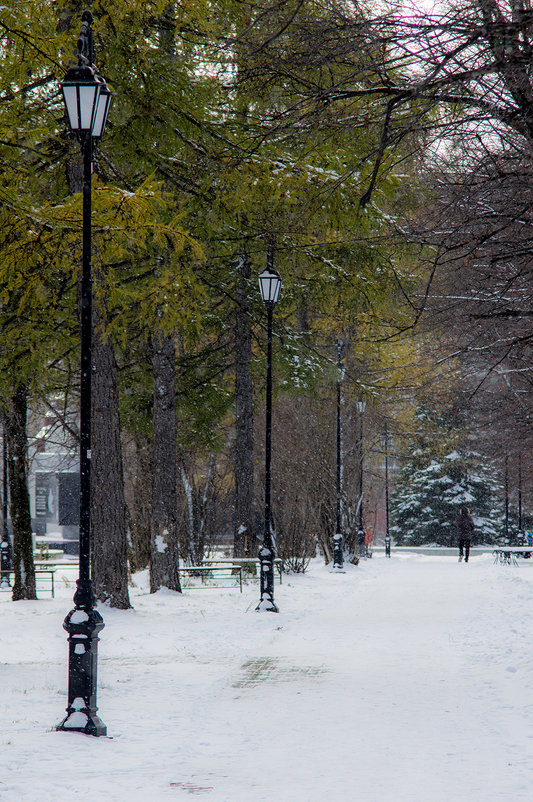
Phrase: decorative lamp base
pixel 266 580
pixel 83 626
pixel 266 605
pixel 5 564
pixel 338 555
pixel 82 721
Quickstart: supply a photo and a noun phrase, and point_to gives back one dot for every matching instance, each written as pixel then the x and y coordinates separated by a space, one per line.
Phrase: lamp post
pixel 520 492
pixel 506 487
pixel 87 101
pixel 270 286
pixel 387 529
pixel 361 406
pixel 5 545
pixel 338 557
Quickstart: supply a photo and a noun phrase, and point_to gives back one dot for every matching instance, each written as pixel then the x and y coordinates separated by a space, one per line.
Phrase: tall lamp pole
pixel 5 545
pixel 387 527
pixel 506 486
pixel 87 101
pixel 520 492
pixel 270 286
pixel 338 556
pixel 361 406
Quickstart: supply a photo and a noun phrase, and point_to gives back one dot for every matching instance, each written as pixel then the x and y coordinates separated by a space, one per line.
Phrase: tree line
pixel 365 145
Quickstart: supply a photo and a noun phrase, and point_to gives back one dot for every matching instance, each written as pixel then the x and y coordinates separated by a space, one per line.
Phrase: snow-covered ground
pixel 401 680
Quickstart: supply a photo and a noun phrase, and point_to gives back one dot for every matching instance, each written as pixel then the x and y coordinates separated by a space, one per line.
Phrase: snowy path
pixel 402 680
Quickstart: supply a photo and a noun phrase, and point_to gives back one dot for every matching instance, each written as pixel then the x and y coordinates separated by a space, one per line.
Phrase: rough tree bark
pixel 19 500
pixel 139 464
pixel 108 506
pixel 109 559
pixel 164 552
pixel 244 537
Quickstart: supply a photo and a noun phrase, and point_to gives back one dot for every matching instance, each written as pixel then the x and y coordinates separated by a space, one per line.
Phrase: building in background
pixel 54 482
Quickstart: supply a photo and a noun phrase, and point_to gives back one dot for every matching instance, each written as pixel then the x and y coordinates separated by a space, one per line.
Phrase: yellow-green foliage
pixel 218 142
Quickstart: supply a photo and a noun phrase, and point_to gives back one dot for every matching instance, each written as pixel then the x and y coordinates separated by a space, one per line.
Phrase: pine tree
pixel 429 493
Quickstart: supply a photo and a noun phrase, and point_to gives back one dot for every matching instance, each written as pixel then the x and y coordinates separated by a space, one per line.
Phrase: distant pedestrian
pixel 464 526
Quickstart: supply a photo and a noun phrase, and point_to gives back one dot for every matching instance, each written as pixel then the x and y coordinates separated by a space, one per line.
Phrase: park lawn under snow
pixel 401 680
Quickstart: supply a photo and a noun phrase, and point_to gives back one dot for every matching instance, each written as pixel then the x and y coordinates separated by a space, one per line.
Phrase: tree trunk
pixel 109 557
pixel 164 552
pixel 140 503
pixel 19 499
pixel 196 523
pixel 244 537
pixel 108 506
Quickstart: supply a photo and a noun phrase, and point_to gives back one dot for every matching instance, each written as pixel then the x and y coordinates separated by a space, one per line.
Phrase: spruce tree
pixel 430 492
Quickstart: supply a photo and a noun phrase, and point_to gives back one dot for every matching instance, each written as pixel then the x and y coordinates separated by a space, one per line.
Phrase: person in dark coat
pixel 464 526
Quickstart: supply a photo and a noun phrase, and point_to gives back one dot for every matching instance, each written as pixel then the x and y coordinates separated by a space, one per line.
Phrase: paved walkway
pixel 402 680
pixel 392 686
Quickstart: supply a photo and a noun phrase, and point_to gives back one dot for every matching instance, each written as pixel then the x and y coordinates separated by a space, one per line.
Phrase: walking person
pixel 464 526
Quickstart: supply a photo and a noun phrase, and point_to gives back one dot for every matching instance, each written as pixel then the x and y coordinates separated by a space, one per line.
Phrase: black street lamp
pixel 361 406
pixel 87 101
pixel 520 492
pixel 270 286
pixel 386 443
pixel 338 556
pixel 506 487
pixel 5 545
